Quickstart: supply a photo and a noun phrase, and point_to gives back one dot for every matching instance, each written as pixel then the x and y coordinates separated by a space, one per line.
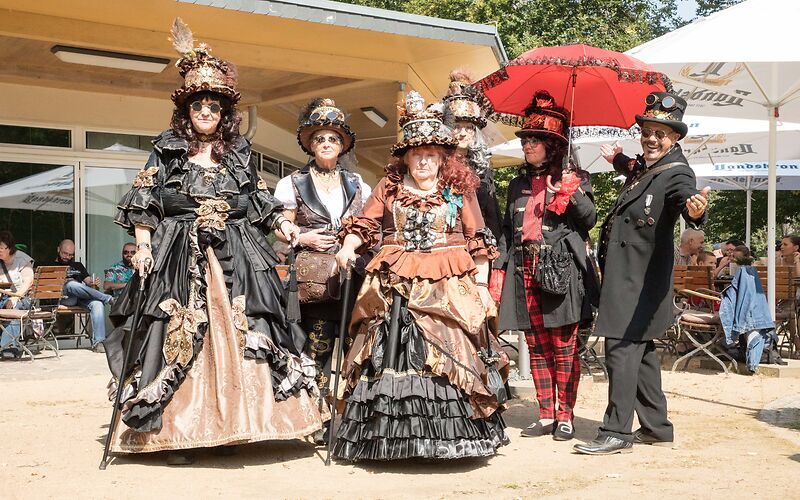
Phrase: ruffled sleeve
pixel 264 208
pixel 141 206
pixel 367 226
pixel 480 240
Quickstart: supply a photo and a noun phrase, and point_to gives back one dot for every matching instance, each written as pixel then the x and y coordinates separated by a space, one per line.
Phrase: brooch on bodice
pixel 418 232
pixel 212 214
pixel 454 202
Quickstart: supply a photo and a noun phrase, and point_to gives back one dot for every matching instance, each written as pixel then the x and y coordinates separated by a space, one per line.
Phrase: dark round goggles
pixel 330 115
pixel 667 102
pixel 198 106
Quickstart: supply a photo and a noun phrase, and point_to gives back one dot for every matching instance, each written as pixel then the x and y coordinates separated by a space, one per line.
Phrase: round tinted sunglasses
pixel 198 106
pixel 320 139
pixel 648 132
pixel 667 102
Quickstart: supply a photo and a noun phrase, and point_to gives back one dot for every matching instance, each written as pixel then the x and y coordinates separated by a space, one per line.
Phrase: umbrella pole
pixel 567 160
pixel 771 202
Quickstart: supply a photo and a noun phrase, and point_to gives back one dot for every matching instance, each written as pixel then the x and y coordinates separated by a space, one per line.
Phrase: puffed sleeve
pixel 141 205
pixel 480 240
pixel 367 226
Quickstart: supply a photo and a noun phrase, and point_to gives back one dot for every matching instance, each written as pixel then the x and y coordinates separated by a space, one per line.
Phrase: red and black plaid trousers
pixel 554 356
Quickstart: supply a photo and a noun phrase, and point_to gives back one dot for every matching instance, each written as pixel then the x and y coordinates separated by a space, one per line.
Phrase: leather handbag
pixel 317 277
pixel 553 271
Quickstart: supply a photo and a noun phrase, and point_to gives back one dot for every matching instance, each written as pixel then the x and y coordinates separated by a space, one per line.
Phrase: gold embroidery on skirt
pixel 181 329
pixel 144 178
pixel 212 214
pixel 240 320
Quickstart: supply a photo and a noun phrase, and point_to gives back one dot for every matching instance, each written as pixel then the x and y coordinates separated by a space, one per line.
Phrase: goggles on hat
pixel 667 102
pixel 318 115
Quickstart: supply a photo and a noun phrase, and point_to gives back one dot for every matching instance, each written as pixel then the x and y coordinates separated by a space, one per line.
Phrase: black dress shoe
pixel 642 437
pixel 322 436
pixel 605 445
pixel 536 429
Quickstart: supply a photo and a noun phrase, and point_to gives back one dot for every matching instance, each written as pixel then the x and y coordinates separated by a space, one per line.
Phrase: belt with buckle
pixel 532 248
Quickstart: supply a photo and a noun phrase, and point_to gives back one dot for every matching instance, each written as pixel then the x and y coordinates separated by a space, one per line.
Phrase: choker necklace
pixel 205 137
pixel 324 172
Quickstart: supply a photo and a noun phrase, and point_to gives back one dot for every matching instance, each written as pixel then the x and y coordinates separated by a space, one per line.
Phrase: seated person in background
pixel 790 253
pixel 79 291
pixel 16 267
pixel 118 275
pixel 740 253
pixel 691 242
pixel 706 258
pixel 725 260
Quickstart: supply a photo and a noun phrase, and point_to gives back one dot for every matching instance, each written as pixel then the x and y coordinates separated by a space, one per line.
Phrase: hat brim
pixel 539 132
pixel 402 147
pixel 181 94
pixel 304 134
pixel 477 121
pixel 681 128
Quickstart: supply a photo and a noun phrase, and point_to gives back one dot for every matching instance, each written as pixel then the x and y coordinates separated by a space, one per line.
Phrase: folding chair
pixel 697 324
pixel 45 296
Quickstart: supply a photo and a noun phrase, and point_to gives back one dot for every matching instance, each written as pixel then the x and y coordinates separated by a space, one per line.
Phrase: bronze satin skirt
pixel 225 398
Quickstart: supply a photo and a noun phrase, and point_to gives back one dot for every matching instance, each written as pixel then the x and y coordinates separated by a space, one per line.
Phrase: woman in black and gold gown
pixel 215 360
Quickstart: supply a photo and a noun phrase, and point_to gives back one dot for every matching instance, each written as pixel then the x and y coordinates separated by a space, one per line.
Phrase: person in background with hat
pixel 464 113
pixel 549 213
pixel 414 384
pixel 214 360
pixel 636 259
pixel 316 198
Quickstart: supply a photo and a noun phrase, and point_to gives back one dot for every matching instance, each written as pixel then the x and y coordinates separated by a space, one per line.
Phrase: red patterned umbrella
pixel 599 87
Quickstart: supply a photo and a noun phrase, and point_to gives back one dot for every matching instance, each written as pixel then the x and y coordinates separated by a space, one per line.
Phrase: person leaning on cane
pixel 636 260
pixel 213 360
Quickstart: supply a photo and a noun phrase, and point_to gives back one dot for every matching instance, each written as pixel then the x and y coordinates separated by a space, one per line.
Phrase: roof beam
pixel 312 88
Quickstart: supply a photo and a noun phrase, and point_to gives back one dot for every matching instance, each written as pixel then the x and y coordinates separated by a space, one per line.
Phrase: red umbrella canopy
pixel 609 87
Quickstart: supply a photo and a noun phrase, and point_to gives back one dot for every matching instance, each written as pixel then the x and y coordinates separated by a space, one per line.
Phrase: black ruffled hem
pixel 398 416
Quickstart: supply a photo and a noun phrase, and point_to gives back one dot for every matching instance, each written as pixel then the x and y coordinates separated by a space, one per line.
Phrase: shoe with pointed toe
pixel 537 429
pixel 604 445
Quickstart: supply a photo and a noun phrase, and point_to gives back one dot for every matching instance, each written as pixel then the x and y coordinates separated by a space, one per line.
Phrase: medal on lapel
pixel 647 201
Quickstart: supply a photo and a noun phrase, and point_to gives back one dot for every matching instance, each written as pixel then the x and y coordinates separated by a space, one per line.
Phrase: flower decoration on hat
pixel 463 102
pixel 422 126
pixel 544 118
pixel 322 114
pixel 199 69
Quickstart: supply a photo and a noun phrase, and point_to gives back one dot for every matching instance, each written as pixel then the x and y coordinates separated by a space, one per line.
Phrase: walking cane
pixel 137 313
pixel 346 293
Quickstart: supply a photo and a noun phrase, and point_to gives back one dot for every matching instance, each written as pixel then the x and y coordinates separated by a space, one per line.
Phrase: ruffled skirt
pixel 216 374
pixel 435 403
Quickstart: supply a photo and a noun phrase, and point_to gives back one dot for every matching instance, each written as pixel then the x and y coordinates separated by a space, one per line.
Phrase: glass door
pixel 101 189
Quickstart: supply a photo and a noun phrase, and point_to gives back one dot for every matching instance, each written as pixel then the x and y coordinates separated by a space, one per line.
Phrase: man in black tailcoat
pixel 636 259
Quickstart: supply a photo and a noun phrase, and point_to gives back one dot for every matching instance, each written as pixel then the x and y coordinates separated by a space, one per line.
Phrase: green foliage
pixel 706 7
pixel 526 24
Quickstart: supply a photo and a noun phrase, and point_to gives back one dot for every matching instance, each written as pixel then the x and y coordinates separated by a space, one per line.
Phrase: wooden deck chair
pixel 785 306
pixel 36 323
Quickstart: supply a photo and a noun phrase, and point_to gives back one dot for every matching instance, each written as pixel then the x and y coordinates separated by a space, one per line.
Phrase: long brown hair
pixel 453 172
pixel 222 139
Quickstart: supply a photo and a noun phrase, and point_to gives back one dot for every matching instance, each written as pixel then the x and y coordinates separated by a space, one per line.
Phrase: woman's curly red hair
pixel 453 172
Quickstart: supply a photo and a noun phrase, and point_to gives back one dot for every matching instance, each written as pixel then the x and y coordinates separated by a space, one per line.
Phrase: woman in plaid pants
pixel 551 284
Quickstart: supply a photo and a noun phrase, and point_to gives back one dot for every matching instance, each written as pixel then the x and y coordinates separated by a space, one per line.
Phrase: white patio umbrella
pixel 747 177
pixel 740 62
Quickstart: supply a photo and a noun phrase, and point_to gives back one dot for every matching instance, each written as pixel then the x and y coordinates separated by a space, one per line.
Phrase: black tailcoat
pixel 566 233
pixel 637 249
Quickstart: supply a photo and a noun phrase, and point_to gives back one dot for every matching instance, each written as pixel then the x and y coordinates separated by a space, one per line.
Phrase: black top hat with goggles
pixel 666 108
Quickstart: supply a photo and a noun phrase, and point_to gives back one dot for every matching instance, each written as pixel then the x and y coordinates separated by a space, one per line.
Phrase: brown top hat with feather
pixel 322 114
pixel 422 126
pixel 544 118
pixel 199 69
pixel 463 102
